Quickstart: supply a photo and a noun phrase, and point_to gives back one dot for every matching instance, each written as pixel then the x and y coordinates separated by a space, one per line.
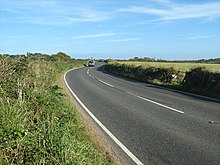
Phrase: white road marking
pixel 140 97
pixel 105 83
pixel 88 72
pixel 131 155
pixel 91 76
pixel 154 102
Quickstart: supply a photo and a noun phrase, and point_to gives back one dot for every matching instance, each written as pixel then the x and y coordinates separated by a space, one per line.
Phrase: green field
pixel 183 67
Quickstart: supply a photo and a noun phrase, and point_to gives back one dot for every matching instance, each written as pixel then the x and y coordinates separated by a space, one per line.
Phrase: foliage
pixel 200 79
pixel 37 124
pixel 141 73
pixel 197 80
pixel 149 59
pixel 60 56
pixel 211 61
pixel 142 59
pixel 107 60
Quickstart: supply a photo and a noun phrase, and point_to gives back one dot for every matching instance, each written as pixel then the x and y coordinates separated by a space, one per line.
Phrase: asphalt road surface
pixel 156 125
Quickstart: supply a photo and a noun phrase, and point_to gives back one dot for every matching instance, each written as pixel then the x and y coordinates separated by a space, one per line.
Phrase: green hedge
pixel 203 81
pixel 37 123
pixel 143 74
pixel 197 80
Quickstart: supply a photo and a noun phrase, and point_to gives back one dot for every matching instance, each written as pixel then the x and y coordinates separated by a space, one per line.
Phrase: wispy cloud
pixel 124 40
pixel 50 13
pixel 94 35
pixel 179 11
pixel 195 37
pixel 8 10
pixel 163 1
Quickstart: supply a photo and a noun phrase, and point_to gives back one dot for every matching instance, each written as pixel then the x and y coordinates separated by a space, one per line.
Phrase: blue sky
pixel 167 29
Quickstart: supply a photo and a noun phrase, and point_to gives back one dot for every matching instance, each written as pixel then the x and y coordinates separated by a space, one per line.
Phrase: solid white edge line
pixel 132 156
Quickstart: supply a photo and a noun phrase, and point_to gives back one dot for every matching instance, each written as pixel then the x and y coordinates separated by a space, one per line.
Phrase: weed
pixel 37 124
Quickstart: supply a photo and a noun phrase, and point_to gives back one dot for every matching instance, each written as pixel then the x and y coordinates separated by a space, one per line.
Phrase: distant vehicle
pixel 91 63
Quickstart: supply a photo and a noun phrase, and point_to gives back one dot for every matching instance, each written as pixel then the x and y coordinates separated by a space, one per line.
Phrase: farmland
pixel 180 66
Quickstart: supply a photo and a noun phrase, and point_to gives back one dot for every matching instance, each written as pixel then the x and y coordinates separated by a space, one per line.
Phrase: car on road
pixel 91 63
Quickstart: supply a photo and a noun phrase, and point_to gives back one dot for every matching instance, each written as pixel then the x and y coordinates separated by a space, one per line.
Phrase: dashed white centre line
pixel 154 102
pixel 91 76
pixel 105 83
pixel 88 72
pixel 140 97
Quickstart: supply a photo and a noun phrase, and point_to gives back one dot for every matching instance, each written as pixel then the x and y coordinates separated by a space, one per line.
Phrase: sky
pixel 116 29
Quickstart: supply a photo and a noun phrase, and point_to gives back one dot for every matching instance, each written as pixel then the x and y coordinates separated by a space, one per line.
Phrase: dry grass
pixel 183 67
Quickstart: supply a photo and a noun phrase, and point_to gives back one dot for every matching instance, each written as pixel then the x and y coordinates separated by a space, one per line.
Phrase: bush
pixel 141 73
pixel 37 124
pixel 201 80
pixel 197 80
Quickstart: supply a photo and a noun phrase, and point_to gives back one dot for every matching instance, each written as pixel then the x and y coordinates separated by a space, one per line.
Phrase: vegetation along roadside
pixel 38 125
pixel 199 78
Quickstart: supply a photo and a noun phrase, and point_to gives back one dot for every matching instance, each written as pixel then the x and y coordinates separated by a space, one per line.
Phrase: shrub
pixel 37 124
pixel 200 79
pixel 143 74
pixel 197 80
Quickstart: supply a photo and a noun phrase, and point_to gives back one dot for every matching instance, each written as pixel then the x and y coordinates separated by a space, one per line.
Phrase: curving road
pixel 154 124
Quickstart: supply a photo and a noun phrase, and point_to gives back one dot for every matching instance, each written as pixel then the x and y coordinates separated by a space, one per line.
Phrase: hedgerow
pixel 146 74
pixel 37 123
pixel 203 81
pixel 197 80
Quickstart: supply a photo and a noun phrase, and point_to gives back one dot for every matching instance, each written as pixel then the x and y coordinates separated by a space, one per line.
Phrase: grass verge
pixel 37 123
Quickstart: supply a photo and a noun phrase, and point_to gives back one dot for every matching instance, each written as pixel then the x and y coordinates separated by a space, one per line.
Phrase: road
pixel 157 125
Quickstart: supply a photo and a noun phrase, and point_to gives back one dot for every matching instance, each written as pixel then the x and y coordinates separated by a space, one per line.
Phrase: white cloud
pixel 50 13
pixel 179 11
pixel 195 37
pixel 94 35
pixel 124 40
pixel 143 10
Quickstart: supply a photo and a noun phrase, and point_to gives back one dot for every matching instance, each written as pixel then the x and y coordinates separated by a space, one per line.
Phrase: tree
pixel 60 56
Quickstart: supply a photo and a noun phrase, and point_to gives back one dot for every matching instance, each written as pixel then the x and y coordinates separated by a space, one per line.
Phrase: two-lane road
pixel 157 125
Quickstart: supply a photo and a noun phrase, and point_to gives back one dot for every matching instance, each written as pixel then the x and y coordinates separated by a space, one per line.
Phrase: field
pixel 183 67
